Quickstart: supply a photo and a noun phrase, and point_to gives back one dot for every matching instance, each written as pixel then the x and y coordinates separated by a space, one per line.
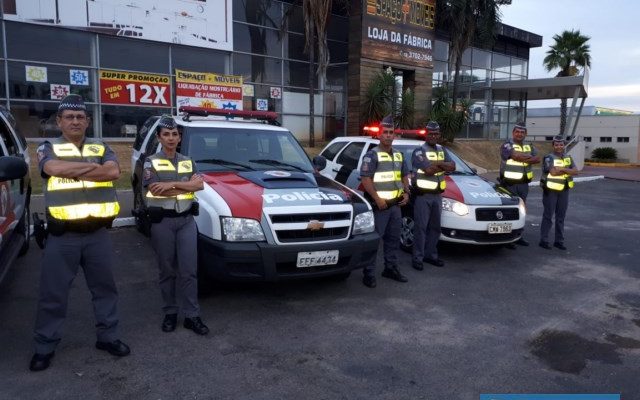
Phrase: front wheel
pixel 406 233
pixel 24 230
pixel 142 222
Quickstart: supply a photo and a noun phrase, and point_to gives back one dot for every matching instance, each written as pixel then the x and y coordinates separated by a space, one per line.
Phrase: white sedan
pixel 474 210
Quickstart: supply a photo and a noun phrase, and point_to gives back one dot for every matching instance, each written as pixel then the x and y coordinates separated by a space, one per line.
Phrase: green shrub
pixel 604 153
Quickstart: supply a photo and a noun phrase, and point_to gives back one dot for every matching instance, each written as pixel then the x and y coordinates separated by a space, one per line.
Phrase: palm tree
pixel 569 53
pixel 316 15
pixel 466 21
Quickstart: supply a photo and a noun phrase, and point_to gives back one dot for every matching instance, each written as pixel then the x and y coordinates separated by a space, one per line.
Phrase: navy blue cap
pixel 387 122
pixel 520 125
pixel 72 102
pixel 433 127
pixel 167 121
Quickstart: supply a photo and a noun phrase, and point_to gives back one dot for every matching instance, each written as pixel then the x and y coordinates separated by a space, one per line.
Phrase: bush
pixel 604 153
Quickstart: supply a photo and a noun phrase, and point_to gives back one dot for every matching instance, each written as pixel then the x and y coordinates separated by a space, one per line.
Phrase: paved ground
pixel 622 173
pixel 493 320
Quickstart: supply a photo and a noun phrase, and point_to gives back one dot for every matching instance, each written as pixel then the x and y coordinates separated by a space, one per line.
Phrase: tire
pixel 142 223
pixel 24 229
pixel 406 232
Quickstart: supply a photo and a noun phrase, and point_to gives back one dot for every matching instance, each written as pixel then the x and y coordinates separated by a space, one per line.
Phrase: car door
pixel 13 192
pixel 140 142
pixel 347 163
pixel 330 153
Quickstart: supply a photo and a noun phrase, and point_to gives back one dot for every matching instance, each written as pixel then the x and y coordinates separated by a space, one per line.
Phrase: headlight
pixel 363 223
pixel 523 208
pixel 454 206
pixel 241 230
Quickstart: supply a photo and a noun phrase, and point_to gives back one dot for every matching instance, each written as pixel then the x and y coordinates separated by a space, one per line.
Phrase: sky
pixel 614 28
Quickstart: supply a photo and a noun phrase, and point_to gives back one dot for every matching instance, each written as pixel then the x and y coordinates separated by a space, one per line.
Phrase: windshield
pixel 461 167
pixel 225 149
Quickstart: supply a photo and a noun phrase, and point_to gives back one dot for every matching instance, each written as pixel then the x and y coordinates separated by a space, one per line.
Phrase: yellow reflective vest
pixel 431 183
pixel 71 199
pixel 387 179
pixel 516 171
pixel 167 172
pixel 559 182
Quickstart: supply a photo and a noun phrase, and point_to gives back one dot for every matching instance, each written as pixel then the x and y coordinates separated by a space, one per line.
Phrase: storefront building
pixel 125 60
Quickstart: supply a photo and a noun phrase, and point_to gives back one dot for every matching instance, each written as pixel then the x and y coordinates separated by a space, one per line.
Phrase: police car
pixel 263 214
pixel 15 193
pixel 474 210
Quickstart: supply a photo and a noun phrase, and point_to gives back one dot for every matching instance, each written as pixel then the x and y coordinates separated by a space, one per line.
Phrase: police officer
pixel 80 200
pixel 170 180
pixel 429 163
pixel 558 169
pixel 517 156
pixel 386 183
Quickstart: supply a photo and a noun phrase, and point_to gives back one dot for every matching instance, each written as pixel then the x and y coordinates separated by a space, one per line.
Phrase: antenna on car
pixel 269 117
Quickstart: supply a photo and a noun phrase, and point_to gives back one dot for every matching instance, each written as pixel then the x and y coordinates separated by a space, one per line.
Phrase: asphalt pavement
pixel 493 320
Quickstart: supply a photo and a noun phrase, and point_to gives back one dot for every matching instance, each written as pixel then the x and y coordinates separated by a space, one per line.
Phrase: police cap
pixel 387 122
pixel 167 121
pixel 520 125
pixel 433 127
pixel 558 138
pixel 72 102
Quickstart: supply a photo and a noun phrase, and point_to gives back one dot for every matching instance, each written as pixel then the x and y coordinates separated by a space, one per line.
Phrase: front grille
pixel 291 225
pixel 491 214
pixel 293 236
pixel 284 218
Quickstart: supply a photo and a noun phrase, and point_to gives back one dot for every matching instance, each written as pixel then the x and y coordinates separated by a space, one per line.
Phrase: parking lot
pixel 493 320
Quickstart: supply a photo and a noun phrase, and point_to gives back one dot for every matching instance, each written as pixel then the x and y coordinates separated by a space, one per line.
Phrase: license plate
pixel 316 258
pixel 500 227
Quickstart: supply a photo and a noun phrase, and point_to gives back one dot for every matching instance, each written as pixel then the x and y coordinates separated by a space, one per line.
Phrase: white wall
pixel 595 127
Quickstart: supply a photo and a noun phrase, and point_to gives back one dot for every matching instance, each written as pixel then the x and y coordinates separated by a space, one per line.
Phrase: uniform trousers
pixel 175 243
pixel 427 212
pixel 388 226
pixel 554 202
pixel 519 189
pixel 63 255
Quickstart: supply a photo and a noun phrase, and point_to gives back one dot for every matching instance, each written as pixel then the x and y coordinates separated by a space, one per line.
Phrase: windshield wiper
pixel 220 161
pixel 276 162
pixel 459 173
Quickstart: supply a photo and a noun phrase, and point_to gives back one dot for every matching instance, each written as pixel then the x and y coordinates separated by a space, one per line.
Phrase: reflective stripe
pixel 161 164
pixel 82 211
pixel 57 183
pixel 432 183
pixel 70 150
pixel 387 180
pixel 183 196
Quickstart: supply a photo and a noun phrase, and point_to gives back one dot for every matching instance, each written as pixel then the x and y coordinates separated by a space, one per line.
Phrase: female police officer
pixel 170 181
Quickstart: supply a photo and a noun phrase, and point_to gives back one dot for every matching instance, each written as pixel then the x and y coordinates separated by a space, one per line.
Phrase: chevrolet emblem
pixel 315 225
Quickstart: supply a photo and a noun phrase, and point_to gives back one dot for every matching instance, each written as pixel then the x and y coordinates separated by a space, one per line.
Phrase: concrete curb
pixel 612 165
pixel 578 179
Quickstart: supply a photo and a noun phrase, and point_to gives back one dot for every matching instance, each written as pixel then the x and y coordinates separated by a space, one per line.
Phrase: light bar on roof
pixel 204 112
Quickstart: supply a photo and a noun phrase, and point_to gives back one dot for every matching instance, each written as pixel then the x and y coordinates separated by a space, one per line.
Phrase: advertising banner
pixel 202 23
pixel 133 88
pixel 201 89
pixel 399 31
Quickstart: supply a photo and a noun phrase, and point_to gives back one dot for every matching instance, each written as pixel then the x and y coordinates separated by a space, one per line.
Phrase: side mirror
pixel 12 168
pixel 319 163
pixel 475 170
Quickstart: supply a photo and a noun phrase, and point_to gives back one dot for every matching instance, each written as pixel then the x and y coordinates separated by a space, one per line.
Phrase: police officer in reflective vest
pixel 385 179
pixel 80 200
pixel 429 163
pixel 170 180
pixel 558 170
pixel 517 156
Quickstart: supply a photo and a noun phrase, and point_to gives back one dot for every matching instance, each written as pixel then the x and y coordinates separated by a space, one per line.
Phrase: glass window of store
pixel 133 55
pixel 199 59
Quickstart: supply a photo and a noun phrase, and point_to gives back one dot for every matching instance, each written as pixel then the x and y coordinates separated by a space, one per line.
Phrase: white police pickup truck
pixel 264 214
pixel 15 192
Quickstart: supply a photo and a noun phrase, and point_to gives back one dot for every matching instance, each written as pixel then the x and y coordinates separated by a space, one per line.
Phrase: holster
pixel 155 214
pixel 195 208
pixel 40 231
